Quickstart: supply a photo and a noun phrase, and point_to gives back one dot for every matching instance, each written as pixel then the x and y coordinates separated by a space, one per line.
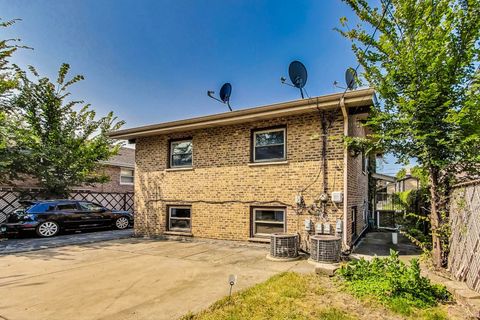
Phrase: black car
pixel 48 217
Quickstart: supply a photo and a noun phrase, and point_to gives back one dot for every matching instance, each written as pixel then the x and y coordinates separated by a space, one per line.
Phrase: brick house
pixel 244 174
pixel 119 168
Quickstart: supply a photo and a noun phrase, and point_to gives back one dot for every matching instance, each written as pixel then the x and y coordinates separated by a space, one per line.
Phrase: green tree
pixel 64 140
pixel 11 157
pixel 423 64
pixel 402 173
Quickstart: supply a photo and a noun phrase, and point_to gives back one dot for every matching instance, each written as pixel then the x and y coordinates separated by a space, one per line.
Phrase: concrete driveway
pixel 9 246
pixel 129 278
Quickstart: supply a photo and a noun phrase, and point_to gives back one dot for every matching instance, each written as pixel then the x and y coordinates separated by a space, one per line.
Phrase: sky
pixel 153 61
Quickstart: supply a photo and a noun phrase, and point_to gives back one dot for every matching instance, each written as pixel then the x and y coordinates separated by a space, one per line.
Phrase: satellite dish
pixel 225 92
pixel 351 78
pixel 298 75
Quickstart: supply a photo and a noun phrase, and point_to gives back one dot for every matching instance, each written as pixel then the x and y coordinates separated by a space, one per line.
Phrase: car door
pixel 95 215
pixel 68 214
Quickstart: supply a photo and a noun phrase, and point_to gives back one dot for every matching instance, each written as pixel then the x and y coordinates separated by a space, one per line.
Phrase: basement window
pixel 266 221
pixel 179 219
pixel 181 153
pixel 269 145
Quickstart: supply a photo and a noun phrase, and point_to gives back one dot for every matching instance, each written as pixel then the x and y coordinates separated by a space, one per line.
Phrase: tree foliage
pixel 11 158
pixel 423 64
pixel 64 141
pixel 60 143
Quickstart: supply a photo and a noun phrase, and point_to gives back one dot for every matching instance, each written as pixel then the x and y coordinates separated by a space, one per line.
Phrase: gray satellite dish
pixel 351 78
pixel 298 75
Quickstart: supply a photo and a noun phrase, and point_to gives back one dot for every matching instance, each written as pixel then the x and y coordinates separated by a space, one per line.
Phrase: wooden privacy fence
pixel 9 199
pixel 464 256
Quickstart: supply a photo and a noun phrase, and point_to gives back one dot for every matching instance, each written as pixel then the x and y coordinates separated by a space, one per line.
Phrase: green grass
pixel 293 296
pixel 285 296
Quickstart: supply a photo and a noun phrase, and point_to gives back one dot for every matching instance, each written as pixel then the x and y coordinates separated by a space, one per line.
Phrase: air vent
pixel 284 246
pixel 325 248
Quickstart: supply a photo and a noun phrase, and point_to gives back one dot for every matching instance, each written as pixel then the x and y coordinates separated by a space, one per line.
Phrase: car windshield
pixel 90 206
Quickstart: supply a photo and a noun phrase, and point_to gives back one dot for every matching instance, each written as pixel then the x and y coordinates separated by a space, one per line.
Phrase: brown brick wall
pixel 113 185
pixel 357 182
pixel 221 172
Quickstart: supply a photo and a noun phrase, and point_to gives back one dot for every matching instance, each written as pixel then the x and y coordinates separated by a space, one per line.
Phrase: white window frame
pixel 284 130
pixel 170 219
pixel 171 153
pixel 254 220
pixel 133 176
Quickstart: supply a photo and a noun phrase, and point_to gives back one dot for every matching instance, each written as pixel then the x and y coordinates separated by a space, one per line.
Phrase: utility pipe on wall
pixel 345 175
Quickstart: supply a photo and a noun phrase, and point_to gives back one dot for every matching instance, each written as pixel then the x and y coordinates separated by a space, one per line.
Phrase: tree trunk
pixel 435 218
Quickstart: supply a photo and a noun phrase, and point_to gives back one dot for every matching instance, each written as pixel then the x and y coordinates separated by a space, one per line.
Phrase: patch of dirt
pixel 333 296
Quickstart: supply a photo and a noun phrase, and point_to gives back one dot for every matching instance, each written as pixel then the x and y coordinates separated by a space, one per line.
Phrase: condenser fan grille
pixel 284 245
pixel 325 248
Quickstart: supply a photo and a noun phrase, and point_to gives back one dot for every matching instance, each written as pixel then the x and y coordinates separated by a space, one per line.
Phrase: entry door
pixel 354 223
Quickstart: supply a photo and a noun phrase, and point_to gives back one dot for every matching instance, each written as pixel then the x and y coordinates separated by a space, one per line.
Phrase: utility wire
pixel 304 189
pixel 346 89
pixel 368 45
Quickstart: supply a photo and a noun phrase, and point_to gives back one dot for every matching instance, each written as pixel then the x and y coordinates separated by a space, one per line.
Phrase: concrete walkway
pixel 379 244
pixel 129 278
pixel 9 246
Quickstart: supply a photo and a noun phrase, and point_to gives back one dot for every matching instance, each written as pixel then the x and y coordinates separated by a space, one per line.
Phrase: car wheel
pixel 121 223
pixel 48 229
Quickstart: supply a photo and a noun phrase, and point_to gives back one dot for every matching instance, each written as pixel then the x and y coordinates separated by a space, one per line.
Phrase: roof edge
pixel 361 97
pixel 118 164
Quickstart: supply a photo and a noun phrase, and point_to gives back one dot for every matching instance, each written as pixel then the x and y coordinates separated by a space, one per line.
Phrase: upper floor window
pixel 126 176
pixel 181 153
pixel 269 145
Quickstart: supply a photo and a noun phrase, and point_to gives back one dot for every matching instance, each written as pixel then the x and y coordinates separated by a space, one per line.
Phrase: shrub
pixel 392 282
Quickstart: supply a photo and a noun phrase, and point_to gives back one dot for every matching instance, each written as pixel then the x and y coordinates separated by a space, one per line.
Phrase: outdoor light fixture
pixel 232 280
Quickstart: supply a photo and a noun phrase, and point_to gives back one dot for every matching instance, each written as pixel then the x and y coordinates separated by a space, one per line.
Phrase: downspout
pixel 345 176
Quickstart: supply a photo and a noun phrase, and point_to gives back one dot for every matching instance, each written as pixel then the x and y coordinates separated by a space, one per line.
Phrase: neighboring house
pixel 119 168
pixel 389 185
pixel 245 174
pixel 407 183
pixel 383 182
